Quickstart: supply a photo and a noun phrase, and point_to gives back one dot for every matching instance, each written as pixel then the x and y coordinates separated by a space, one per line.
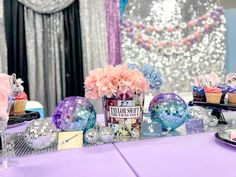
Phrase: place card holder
pixel 194 125
pixel 70 140
pixel 151 129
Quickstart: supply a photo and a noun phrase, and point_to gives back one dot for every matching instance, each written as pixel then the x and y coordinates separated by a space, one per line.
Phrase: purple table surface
pixel 184 156
pixel 104 161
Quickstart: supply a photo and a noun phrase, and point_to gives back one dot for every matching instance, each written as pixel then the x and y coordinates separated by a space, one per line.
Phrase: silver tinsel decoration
pixel 91 136
pixel 106 135
pixel 178 69
pixel 99 135
pixel 41 133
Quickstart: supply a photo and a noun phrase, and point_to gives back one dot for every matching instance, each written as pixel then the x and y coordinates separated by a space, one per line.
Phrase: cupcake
pixel 224 89
pixel 20 103
pixel 232 95
pixel 213 95
pixel 198 94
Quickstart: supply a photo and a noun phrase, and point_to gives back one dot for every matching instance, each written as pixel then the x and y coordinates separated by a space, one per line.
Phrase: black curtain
pixel 73 51
pixel 16 42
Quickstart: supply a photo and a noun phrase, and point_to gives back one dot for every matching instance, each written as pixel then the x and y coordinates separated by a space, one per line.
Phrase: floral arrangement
pixel 112 81
pixel 151 74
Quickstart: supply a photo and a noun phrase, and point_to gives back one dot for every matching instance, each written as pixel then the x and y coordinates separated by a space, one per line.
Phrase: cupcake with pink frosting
pixel 213 95
pixel 20 97
pixel 20 103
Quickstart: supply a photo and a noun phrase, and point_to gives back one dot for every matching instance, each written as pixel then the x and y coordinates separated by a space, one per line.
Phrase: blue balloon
pixel 168 109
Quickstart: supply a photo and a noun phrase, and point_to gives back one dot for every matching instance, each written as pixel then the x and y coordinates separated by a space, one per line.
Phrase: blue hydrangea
pixel 152 75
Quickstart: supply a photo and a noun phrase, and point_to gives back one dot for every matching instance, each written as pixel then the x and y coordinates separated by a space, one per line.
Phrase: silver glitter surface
pixel 17 146
pixel 196 111
pixel 41 134
pixel 178 66
pixel 106 135
pixel 91 136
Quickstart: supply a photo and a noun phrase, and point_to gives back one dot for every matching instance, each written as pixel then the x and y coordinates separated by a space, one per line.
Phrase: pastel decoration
pixel 5 91
pixel 169 110
pixel 194 125
pixel 200 26
pixel 109 81
pixel 74 114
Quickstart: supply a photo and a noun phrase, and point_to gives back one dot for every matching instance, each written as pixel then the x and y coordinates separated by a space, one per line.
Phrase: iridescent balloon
pixel 91 136
pixel 41 134
pixel 169 110
pixel 74 114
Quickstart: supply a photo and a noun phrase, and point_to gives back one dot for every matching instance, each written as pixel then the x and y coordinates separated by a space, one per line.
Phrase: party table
pixel 184 156
pixel 104 161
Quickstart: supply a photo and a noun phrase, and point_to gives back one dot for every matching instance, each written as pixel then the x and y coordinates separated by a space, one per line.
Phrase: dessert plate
pixel 16 120
pixel 227 137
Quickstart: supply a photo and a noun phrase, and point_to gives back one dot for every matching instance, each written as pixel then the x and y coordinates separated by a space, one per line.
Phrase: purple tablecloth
pixel 102 161
pixel 184 156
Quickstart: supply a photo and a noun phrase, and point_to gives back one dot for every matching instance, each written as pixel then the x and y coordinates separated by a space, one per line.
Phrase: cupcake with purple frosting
pixel 232 95
pixel 199 94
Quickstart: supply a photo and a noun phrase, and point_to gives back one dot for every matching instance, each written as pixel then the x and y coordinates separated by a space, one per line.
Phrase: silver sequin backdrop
pixel 178 70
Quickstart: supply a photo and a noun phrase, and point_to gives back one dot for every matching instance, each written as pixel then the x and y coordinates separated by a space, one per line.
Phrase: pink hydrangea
pixel 111 80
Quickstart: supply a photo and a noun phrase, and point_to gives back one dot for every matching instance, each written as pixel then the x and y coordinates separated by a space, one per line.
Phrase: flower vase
pixel 123 113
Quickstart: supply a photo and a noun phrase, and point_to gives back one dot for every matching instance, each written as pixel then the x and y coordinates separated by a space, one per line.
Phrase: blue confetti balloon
pixel 169 110
pixel 74 114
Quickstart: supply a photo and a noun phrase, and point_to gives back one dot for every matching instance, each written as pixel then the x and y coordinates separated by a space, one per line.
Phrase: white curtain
pixel 3 48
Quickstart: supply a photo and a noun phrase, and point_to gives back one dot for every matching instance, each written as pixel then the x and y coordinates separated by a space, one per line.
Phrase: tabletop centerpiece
pixel 122 91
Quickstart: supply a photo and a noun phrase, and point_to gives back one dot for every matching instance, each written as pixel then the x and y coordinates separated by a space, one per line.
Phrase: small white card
pixel 69 140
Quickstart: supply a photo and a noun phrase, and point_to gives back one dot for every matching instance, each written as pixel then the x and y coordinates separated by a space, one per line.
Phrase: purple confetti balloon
pixel 74 114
